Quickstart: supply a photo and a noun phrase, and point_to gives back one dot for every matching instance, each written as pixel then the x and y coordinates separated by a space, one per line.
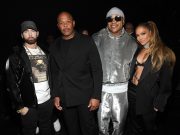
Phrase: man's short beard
pixel 33 41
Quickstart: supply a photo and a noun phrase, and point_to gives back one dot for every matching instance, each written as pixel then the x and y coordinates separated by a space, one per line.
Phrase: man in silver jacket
pixel 116 48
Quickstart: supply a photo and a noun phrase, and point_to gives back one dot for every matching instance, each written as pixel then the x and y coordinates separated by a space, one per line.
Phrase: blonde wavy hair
pixel 159 52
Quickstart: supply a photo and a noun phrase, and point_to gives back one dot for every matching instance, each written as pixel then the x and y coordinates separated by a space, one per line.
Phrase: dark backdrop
pixel 89 14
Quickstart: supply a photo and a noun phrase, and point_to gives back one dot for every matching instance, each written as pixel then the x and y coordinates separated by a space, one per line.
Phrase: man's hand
pixel 93 104
pixel 23 111
pixel 57 103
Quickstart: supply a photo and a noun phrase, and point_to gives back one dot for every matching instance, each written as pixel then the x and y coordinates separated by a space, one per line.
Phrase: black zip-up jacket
pixel 20 81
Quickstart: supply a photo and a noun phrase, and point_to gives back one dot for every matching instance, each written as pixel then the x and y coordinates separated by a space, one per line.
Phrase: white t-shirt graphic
pixel 38 61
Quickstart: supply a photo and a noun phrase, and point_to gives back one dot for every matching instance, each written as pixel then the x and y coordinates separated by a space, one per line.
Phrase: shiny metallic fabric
pixel 116 55
pixel 114 106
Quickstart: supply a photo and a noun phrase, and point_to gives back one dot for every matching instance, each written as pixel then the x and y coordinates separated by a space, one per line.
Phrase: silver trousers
pixel 113 106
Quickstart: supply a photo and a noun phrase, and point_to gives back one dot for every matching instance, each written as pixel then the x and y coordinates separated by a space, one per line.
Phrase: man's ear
pixel 74 23
pixel 37 33
pixel 21 35
pixel 123 21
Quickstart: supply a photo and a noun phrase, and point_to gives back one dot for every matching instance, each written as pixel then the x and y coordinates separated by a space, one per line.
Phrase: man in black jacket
pixel 77 72
pixel 28 80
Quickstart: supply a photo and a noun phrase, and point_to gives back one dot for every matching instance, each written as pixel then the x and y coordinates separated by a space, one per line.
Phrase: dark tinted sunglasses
pixel 116 18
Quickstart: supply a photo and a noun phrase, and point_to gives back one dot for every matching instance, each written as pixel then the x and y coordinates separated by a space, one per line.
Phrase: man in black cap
pixel 29 82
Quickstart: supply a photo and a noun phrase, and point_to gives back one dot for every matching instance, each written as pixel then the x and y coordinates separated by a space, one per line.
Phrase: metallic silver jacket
pixel 116 55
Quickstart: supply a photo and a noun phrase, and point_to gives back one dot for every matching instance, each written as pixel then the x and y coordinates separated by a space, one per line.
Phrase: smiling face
pixel 115 25
pixel 66 25
pixel 143 35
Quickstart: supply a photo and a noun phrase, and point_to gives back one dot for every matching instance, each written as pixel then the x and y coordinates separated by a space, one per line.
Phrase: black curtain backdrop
pixel 89 14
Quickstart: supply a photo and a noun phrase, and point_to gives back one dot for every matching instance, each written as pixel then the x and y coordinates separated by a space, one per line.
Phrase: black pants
pixel 80 121
pixel 143 124
pixel 40 117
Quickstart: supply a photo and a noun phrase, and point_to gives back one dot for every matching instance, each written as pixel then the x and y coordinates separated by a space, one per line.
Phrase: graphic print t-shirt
pixel 39 68
pixel 38 61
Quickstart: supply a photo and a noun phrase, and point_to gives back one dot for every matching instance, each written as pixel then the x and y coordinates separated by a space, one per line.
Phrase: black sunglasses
pixel 116 18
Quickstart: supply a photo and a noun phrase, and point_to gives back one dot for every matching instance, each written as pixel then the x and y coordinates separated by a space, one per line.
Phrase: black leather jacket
pixel 19 79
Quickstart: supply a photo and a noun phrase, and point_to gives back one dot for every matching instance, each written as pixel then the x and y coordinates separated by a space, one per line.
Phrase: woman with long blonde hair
pixel 150 82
